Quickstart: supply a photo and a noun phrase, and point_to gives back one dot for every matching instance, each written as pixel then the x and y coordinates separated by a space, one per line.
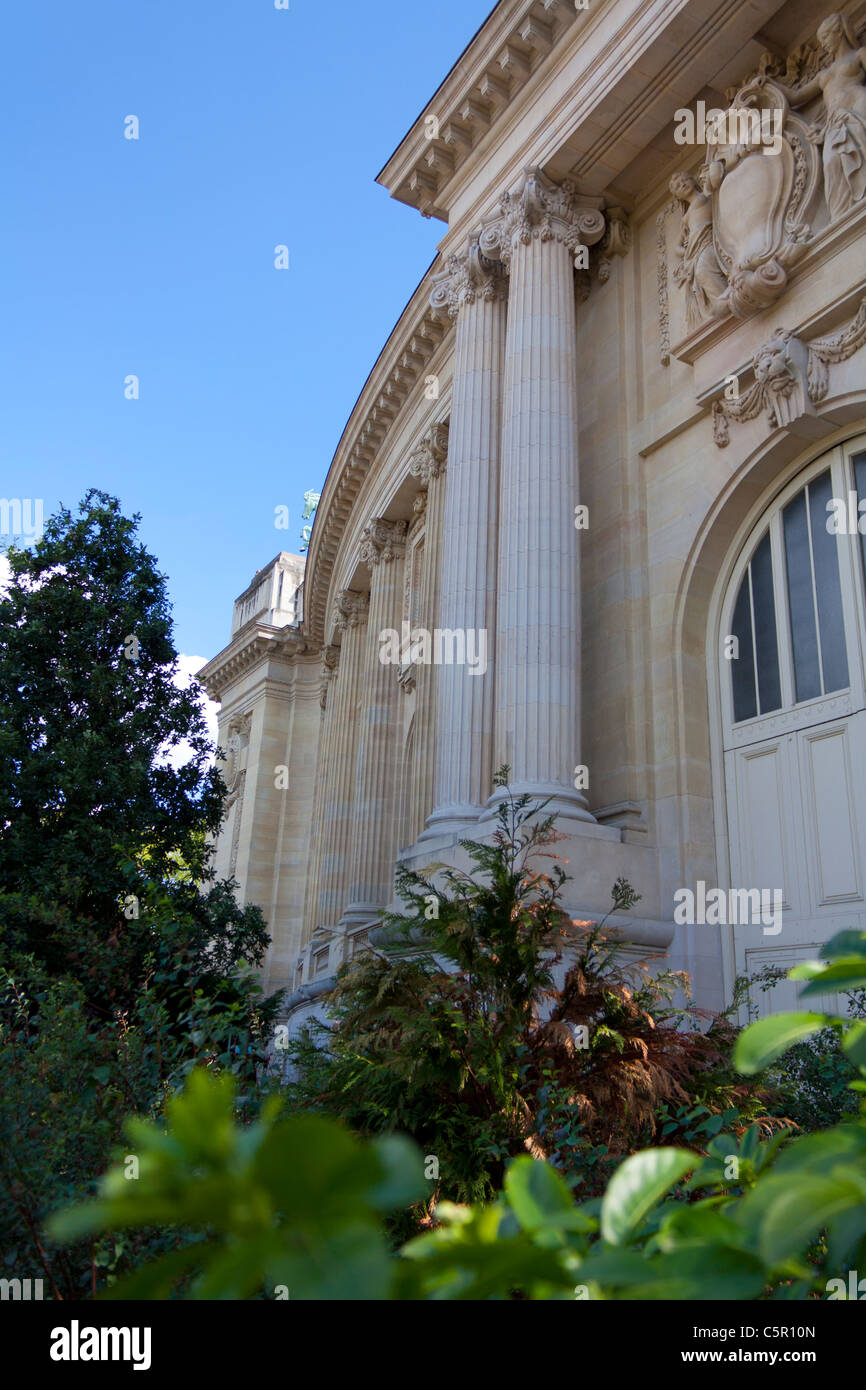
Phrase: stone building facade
pixel 615 450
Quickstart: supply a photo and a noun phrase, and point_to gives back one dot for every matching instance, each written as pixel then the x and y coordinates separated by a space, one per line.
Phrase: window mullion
pixel 808 491
pixel 783 612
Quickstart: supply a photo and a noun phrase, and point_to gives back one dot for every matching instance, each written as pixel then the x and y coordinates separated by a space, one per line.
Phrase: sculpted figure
pixel 697 266
pixel 843 86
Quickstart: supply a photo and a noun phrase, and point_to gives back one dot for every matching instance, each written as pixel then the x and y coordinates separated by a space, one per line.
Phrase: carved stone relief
pixel 235 778
pixel 330 663
pixel 350 609
pixel 430 456
pixel 542 209
pixel 791 378
pixel 237 744
pixel 771 178
pixel 840 82
pixel 383 542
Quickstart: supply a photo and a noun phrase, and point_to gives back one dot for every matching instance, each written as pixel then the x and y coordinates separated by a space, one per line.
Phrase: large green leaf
pixel 847 973
pixel 537 1195
pixel 704 1272
pixel 402 1179
pixel 844 943
pixel 818 1153
pixel 800 1208
pixel 155 1280
pixel 637 1185
pixel 763 1042
pixel 854 1044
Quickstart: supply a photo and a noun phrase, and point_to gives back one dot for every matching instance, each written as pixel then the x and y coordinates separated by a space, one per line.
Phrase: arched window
pixel 793 647
pixel 794 618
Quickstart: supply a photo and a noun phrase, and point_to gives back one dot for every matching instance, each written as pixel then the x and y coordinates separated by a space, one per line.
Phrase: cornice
pixel 512 44
pixel 605 88
pixel 635 54
pixel 399 373
pixel 254 645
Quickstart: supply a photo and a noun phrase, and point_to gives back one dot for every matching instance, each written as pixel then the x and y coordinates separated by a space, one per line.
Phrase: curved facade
pixel 596 512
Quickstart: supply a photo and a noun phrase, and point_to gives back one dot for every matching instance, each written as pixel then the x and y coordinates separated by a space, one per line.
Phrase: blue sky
pixel 155 258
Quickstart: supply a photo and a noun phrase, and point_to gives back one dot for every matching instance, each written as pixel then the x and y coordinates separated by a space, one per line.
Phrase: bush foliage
pixel 291 1206
pixel 457 1033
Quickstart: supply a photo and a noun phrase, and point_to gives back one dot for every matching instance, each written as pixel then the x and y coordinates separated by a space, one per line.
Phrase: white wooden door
pixel 795 721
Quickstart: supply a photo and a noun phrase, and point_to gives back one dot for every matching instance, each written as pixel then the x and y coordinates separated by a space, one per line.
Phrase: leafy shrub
pixel 295 1204
pixel 70 1079
pixel 280 1205
pixel 455 1034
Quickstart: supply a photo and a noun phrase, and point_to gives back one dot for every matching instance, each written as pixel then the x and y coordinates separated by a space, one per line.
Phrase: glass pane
pixel 804 638
pixel 743 667
pixel 828 587
pixel 859 462
pixel 766 640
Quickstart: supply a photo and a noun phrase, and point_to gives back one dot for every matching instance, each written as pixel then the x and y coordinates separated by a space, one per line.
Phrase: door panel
pixel 831 815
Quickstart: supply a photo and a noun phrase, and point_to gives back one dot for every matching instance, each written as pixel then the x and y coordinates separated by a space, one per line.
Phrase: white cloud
pixel 184 676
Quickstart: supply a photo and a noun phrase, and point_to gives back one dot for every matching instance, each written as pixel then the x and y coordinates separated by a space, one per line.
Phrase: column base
pixel 360 915
pixel 450 820
pixel 561 802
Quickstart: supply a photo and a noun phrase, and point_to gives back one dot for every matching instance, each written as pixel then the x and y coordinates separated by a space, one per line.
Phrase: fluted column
pixel 474 291
pixel 539 233
pixel 324 772
pixel 374 850
pixel 428 465
pixel 336 825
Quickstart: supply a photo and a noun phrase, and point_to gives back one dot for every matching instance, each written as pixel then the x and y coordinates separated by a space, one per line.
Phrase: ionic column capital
pixel 467 278
pixel 350 609
pixel 430 456
pixel 541 210
pixel 383 541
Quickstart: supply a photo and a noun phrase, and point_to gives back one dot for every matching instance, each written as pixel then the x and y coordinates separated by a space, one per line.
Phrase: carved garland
pixel 791 377
pixel 662 277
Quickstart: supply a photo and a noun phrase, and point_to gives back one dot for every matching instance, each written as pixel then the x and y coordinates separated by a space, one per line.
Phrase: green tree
pixel 89 711
pixel 123 963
